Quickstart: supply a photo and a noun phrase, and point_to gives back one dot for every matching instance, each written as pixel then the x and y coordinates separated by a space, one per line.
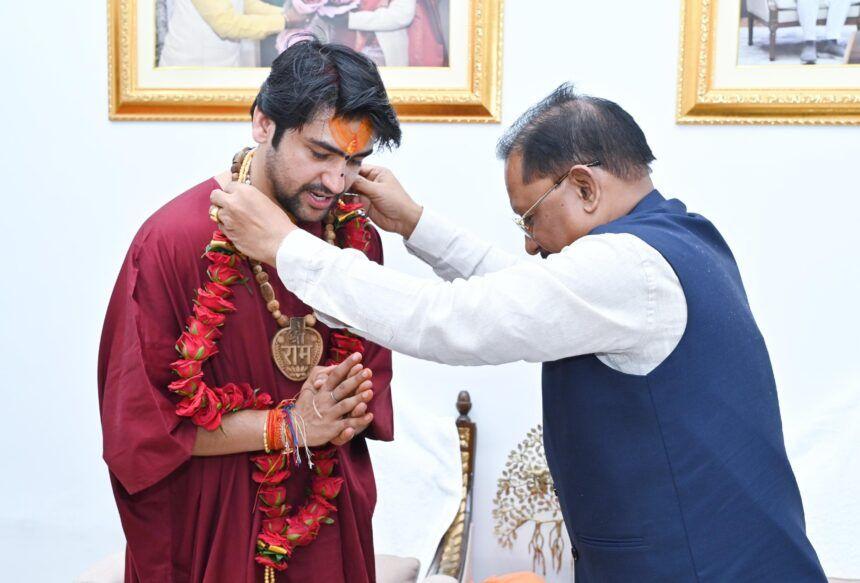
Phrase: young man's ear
pixel 262 127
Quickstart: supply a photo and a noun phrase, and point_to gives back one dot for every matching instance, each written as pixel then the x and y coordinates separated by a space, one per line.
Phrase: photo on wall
pixel 220 33
pixel 799 32
pixel 205 59
pixel 770 61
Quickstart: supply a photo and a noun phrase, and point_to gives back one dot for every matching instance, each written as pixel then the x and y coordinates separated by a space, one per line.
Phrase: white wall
pixel 77 187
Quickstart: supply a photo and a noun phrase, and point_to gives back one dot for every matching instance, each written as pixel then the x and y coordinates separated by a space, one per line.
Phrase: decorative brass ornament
pixel 296 349
pixel 701 102
pixel 526 497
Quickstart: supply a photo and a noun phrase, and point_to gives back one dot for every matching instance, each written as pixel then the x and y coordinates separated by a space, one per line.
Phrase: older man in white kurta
pixel 807 13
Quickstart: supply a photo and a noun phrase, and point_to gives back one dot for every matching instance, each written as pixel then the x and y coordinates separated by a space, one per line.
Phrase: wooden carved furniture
pixel 452 555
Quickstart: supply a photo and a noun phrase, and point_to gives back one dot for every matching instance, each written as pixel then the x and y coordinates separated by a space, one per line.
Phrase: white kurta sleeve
pixel 593 297
pixel 454 252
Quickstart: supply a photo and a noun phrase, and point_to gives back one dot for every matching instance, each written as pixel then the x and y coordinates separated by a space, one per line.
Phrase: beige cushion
pixel 791 15
pixel 111 569
pixel 759 8
pixel 391 569
pixel 787 12
pixel 792 4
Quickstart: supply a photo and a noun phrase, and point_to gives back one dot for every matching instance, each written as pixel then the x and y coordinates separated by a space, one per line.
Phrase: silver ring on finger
pixel 331 394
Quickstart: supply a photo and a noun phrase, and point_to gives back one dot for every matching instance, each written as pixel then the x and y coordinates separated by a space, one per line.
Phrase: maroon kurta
pixel 191 518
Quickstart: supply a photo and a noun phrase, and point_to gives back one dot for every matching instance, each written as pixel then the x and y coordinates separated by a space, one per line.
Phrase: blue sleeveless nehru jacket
pixel 679 475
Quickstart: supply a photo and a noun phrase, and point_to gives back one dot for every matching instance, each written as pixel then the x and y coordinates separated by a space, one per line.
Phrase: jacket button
pixel 574 552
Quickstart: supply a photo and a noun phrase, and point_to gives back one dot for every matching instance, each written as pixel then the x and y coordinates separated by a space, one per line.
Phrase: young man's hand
pixel 333 402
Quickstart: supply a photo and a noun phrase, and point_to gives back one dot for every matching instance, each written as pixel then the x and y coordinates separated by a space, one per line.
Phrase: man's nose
pixel 335 180
pixel 532 247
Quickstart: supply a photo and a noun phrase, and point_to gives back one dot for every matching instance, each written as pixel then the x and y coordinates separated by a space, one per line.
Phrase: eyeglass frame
pixel 520 220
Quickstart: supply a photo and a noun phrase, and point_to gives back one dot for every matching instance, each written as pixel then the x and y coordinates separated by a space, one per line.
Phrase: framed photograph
pixel 770 62
pixel 206 59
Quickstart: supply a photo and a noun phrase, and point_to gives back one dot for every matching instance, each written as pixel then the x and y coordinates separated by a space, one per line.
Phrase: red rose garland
pixel 281 531
pixel 351 223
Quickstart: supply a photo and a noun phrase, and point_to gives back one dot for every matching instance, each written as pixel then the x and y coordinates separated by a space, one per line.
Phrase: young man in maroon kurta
pixel 185 495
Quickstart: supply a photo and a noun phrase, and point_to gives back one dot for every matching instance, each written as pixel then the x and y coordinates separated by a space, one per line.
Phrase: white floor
pixel 789 43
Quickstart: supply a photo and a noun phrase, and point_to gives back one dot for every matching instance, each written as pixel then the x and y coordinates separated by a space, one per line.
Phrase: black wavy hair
pixel 311 76
pixel 568 128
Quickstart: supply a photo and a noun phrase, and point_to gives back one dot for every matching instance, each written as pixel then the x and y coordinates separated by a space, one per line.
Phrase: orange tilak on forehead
pixel 351 136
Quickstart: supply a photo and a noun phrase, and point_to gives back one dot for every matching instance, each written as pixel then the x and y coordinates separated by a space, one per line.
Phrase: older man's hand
pixel 254 223
pixel 387 203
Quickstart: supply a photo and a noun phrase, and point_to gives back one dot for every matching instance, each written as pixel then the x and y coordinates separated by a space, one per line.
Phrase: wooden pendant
pixel 296 349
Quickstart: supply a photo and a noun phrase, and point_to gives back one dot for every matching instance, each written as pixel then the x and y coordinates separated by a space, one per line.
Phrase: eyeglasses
pixel 520 220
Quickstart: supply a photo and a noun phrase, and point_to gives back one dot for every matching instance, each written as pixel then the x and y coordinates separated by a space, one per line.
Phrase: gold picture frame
pixel 477 99
pixel 702 100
